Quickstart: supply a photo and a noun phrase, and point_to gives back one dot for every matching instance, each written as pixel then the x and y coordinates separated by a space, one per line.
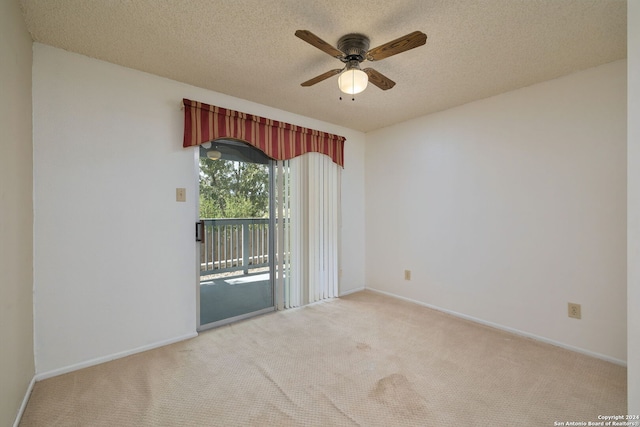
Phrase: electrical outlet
pixel 407 275
pixel 575 311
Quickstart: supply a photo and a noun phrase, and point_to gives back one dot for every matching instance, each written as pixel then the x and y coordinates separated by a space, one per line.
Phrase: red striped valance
pixel 278 140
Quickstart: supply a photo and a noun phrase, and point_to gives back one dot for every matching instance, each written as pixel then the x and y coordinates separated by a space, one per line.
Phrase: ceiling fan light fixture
pixel 352 81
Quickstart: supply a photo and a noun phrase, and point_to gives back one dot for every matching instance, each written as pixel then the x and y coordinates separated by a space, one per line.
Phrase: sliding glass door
pixel 235 233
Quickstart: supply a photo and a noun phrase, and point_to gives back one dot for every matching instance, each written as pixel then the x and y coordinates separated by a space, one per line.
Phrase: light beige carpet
pixel 362 360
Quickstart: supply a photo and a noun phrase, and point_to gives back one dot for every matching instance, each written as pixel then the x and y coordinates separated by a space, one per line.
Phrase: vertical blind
pixel 308 229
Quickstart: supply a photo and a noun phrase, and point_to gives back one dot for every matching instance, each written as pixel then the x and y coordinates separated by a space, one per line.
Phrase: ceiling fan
pixel 352 50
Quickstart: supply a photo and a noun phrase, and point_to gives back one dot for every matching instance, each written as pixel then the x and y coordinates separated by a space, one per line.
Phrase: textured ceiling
pixel 247 48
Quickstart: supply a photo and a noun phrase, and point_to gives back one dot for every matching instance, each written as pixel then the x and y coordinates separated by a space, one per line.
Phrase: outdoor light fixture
pixel 213 154
pixel 353 80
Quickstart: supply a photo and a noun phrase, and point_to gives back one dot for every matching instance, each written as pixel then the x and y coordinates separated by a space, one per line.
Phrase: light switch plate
pixel 181 194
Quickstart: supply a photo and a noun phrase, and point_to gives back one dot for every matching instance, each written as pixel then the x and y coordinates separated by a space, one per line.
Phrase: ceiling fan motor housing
pixel 354 46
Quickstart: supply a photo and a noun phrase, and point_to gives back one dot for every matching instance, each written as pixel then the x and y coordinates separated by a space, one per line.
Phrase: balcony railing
pixel 235 244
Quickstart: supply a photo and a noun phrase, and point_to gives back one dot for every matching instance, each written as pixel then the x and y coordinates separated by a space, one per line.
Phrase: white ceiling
pixel 247 48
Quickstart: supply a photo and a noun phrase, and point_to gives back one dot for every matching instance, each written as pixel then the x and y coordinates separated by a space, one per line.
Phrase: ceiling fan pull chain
pixel 353 85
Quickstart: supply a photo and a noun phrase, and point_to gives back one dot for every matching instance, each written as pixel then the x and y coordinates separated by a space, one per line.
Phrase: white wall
pixel 633 200
pixel 16 212
pixel 114 266
pixel 352 253
pixel 507 208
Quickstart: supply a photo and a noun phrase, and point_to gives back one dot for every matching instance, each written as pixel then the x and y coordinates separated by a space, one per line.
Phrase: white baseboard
pixel 25 400
pixel 55 372
pixel 351 291
pixel 508 329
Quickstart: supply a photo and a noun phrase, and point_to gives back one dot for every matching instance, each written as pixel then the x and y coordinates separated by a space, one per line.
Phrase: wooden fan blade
pixel 316 41
pixel 396 46
pixel 321 77
pixel 380 80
